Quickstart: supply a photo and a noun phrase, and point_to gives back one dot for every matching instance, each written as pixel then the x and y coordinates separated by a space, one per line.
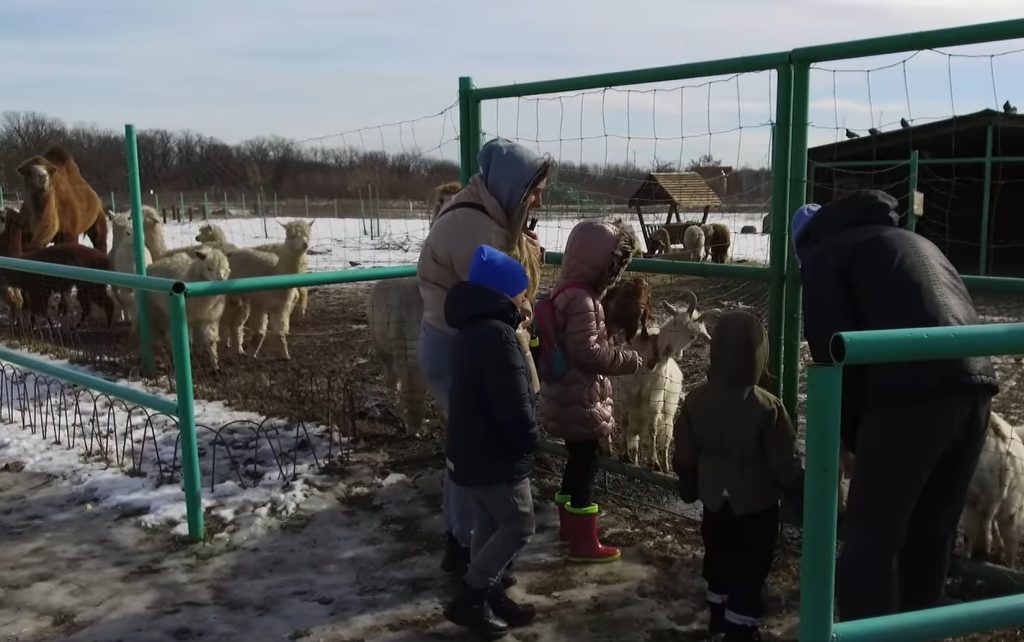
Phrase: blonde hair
pixel 526 254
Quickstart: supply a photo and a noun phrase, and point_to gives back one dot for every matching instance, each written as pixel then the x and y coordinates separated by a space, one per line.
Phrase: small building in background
pixel 951 176
pixel 671 192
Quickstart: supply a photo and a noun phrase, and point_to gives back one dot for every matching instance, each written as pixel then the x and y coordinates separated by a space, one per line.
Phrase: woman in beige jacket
pixel 493 209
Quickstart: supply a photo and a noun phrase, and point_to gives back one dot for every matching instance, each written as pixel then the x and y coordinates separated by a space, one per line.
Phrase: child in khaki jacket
pixel 736 452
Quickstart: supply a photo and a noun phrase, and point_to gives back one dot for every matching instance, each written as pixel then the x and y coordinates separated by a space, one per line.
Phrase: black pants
pixel 914 464
pixel 580 469
pixel 738 554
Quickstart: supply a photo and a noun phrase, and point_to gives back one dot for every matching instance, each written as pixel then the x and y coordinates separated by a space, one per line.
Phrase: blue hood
pixel 508 170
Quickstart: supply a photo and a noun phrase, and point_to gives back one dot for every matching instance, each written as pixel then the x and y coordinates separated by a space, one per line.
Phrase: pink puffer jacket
pixel 578 406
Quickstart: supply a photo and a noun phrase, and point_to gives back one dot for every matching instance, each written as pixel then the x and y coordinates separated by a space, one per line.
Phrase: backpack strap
pixel 468 205
pixel 565 286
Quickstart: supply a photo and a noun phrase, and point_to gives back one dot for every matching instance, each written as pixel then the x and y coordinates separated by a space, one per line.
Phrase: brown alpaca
pixel 443 194
pixel 717 239
pixel 60 205
pixel 36 289
pixel 627 307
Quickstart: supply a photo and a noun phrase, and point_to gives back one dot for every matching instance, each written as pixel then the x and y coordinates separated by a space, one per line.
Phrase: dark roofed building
pixel 951 177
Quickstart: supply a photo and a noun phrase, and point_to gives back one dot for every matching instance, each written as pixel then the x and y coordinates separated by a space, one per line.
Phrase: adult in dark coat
pixel 916 429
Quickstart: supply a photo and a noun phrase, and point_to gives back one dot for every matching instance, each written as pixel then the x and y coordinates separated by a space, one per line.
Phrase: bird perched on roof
pixel 874 131
pixel 850 134
pixel 1008 108
pixel 904 123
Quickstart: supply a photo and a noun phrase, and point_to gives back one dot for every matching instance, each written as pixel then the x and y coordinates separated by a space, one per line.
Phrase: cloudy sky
pixel 308 68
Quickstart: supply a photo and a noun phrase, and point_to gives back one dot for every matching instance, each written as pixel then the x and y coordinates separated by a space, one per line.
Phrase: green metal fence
pixel 817 567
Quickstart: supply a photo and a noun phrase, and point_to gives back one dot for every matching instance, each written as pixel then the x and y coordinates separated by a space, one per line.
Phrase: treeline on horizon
pixel 190 162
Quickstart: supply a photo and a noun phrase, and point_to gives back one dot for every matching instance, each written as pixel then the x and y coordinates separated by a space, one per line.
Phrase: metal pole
pixel 335 208
pixel 911 204
pixel 181 211
pixel 113 201
pixel 243 203
pixel 275 204
pixel 156 200
pixel 362 211
pixel 985 205
pixel 306 199
pixel 469 129
pixel 817 565
pixel 780 216
pixel 1 196
pixel 797 190
pixel 206 208
pixel 225 206
pixel 186 413
pixel 138 245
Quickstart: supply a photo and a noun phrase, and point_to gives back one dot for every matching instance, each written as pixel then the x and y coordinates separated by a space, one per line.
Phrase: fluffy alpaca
pixel 60 205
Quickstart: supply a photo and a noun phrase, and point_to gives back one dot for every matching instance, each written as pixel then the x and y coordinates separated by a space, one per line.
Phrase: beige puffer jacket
pixel 578 406
pixel 449 247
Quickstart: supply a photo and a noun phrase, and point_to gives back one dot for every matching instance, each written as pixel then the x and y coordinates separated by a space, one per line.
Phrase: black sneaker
pixel 505 608
pixel 456 557
pixel 469 609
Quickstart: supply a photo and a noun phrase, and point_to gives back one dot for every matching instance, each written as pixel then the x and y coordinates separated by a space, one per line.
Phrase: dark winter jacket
pixel 734 440
pixel 861 271
pixel 492 427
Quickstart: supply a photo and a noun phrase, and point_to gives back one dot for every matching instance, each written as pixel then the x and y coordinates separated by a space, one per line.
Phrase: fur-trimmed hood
pixel 596 254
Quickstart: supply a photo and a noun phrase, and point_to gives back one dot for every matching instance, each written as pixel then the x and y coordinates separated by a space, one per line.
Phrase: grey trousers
pixel 503 525
pixel 435 355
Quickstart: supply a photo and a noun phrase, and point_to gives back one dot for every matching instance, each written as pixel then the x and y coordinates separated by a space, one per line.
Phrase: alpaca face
pixel 297 234
pixel 214 265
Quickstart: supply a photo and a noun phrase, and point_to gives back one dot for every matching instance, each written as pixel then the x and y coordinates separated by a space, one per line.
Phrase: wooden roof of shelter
pixel 681 189
pixel 956 137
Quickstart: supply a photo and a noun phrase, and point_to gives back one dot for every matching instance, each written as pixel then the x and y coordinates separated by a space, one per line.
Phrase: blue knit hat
pixel 802 217
pixel 498 271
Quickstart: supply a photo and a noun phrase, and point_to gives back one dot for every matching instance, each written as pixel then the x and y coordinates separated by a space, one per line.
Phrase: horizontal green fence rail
pixel 935 624
pixel 926 344
pixel 308 279
pixel 893 163
pixel 65 373
pixel 686 268
pixel 89 275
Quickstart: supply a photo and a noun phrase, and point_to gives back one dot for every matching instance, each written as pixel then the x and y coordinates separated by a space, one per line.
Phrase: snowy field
pixel 337 243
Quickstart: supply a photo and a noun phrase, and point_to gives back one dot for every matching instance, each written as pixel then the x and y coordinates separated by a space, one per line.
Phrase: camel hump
pixel 59 156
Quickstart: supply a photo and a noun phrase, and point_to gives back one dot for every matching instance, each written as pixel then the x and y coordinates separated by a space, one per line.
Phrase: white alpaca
pixel 256 310
pixel 204 313
pixel 693 244
pixel 122 259
pixel 646 402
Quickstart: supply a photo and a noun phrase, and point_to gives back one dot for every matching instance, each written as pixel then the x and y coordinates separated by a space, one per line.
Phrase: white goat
pixel 253 311
pixel 204 313
pixel 693 244
pixel 646 402
pixel 394 312
pixel 993 517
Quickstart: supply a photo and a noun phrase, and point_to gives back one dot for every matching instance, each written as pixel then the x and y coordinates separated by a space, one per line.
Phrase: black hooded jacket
pixel 492 427
pixel 861 271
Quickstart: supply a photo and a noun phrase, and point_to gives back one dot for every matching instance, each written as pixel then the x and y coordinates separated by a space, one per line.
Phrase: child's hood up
pixel 596 254
pixel 739 350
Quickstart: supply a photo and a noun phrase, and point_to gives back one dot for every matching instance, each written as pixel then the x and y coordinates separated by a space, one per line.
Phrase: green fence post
pixel 986 196
pixel 797 191
pixel 911 206
pixel 469 129
pixel 782 132
pixel 138 245
pixel 186 413
pixel 2 196
pixel 362 211
pixel 818 556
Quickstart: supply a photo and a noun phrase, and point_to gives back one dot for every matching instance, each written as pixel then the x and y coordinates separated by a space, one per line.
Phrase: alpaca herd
pixel 60 206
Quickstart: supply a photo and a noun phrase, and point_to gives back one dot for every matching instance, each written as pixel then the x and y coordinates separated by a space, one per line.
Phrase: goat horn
pixel 689 294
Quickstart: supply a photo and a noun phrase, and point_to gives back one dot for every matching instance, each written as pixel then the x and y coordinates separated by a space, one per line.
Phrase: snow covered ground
pixel 91 441
pixel 339 242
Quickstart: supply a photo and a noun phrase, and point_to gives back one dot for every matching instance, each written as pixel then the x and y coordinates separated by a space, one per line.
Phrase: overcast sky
pixel 307 68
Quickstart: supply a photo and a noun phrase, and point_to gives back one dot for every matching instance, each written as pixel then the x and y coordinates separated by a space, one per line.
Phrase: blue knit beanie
pixel 498 271
pixel 802 217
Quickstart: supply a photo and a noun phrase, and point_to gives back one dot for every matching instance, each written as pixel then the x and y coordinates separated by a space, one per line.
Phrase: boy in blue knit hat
pixel 492 434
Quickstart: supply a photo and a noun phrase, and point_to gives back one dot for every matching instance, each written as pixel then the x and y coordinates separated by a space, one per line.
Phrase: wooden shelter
pixel 674 191
pixel 969 170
